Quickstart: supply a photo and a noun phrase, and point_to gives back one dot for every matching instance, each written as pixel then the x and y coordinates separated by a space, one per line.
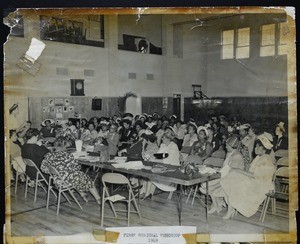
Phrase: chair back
pixel 283 162
pixel 55 174
pixel 115 178
pixel 282 172
pixel 29 162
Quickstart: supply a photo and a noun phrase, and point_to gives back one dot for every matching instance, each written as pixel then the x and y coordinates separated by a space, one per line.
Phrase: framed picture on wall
pixel 51 102
pixel 67 102
pixel 59 102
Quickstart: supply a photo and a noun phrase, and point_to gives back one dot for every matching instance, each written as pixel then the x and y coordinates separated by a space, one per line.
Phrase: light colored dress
pixel 245 193
pixel 173 159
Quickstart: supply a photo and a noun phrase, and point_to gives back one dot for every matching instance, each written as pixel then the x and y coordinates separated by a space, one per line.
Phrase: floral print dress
pixel 69 170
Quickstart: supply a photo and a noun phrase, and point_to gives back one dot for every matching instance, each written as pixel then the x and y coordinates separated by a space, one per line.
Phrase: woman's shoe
pixel 230 215
pixel 85 197
pixel 98 201
pixel 148 197
pixel 214 209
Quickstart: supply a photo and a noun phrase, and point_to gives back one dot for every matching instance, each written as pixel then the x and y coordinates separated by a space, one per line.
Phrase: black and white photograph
pixel 180 120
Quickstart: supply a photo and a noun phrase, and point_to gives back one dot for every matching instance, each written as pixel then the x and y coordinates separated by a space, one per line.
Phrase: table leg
pixel 139 189
pixel 206 201
pixel 180 205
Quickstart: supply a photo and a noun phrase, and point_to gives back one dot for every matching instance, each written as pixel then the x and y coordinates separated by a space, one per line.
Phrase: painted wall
pixel 200 64
pixel 253 76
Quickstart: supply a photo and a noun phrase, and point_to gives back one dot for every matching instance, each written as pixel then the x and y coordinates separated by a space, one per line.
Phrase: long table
pixel 176 177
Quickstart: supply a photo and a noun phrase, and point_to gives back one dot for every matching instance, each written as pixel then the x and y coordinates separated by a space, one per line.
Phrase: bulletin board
pixel 61 108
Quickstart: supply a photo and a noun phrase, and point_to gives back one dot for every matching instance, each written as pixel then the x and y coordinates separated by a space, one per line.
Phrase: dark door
pixel 176 105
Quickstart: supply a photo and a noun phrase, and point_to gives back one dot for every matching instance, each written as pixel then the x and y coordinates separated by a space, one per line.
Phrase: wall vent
pixel 62 71
pixel 88 72
pixel 132 76
pixel 150 77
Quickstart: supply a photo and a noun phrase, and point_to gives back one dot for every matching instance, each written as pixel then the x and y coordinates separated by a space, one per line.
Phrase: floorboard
pixel 29 218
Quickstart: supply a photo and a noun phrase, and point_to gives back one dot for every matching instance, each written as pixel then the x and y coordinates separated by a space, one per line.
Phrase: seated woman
pixel 280 140
pixel 21 133
pixel 201 149
pixel 169 147
pixel 189 139
pixel 47 129
pixel 90 135
pixel 125 134
pixel 15 155
pixel 69 170
pixel 246 144
pixel 245 191
pixel 233 160
pixel 34 150
pixel 112 140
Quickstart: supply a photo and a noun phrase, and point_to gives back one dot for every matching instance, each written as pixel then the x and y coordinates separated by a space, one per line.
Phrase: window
pixel 267 45
pixel 236 43
pixel 243 43
pixel 227 44
pixel 283 34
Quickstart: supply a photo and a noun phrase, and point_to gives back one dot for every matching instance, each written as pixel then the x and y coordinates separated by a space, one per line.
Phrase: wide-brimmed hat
pixel 142 116
pixel 52 122
pixel 202 128
pixel 155 113
pixel 128 116
pixel 265 139
pixel 233 141
pixel 244 127
pixel 281 126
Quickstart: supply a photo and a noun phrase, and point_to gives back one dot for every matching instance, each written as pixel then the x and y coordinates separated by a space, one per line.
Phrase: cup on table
pixel 78 144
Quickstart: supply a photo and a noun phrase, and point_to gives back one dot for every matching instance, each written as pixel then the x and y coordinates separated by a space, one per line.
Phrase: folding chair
pixel 38 179
pixel 118 179
pixel 19 167
pixel 281 176
pixel 282 162
pixel 62 188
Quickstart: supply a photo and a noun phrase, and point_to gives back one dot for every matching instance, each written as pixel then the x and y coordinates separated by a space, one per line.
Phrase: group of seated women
pixel 246 159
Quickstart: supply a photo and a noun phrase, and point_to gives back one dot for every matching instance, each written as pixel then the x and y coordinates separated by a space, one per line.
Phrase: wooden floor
pixel 29 218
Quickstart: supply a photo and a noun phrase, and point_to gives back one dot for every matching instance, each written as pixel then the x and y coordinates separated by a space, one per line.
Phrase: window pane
pixel 267 51
pixel 268 35
pixel 243 37
pixel 284 32
pixel 227 44
pixel 227 52
pixel 227 37
pixel 242 52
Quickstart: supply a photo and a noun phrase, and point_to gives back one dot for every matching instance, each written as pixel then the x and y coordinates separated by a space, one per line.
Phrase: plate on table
pixel 159 169
pixel 93 153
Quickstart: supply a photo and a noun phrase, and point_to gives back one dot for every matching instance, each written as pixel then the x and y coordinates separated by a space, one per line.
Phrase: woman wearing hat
pixel 233 160
pixel 69 169
pixel 161 131
pixel 280 140
pixel 126 134
pixel 246 144
pixel 245 191
pixel 47 129
pixel 201 148
pixel 168 146
pixel 189 139
pixel 33 150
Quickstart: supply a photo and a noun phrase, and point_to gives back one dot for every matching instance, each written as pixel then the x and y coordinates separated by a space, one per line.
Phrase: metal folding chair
pixel 118 179
pixel 39 179
pixel 281 176
pixel 62 188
